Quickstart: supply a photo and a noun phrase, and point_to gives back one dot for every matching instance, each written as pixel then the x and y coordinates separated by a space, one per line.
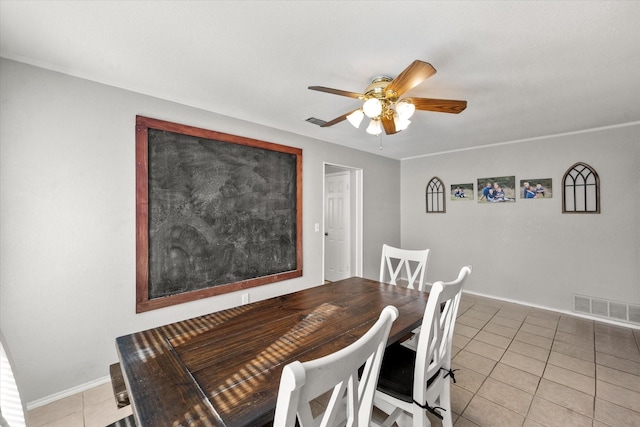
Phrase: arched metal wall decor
pixel 435 196
pixel 581 190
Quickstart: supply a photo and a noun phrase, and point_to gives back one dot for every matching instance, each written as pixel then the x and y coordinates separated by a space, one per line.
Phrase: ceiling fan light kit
pixel 355 118
pixel 382 103
pixel 372 108
pixel 374 127
pixel 405 109
pixel 401 124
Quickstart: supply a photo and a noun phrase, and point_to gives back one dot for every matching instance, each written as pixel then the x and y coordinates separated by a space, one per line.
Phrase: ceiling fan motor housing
pixel 377 89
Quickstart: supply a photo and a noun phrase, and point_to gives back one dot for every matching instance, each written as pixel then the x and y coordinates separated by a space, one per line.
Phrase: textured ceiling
pixel 527 69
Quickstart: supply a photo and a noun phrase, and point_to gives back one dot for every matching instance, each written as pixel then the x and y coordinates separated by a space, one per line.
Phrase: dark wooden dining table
pixel 223 368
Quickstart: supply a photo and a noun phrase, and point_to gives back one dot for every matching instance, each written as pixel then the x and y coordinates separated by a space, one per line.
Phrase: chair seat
pixel 396 373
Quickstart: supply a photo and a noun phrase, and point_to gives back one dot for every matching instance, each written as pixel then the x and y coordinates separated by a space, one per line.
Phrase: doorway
pixel 342 222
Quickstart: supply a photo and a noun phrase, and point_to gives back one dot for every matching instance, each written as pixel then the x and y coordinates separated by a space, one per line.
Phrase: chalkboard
pixel 216 213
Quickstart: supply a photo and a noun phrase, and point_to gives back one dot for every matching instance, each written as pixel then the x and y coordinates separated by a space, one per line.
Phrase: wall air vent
pixel 316 121
pixel 600 307
pixel 581 304
pixel 618 310
pixel 614 310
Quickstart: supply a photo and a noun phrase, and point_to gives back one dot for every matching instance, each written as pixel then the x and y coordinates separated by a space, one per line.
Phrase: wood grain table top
pixel 223 368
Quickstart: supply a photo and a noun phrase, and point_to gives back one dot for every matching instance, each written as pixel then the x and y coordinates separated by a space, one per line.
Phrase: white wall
pixel 67 221
pixel 528 250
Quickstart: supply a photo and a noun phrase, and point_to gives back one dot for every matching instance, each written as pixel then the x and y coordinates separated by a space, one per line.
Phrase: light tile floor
pixel 517 366
pixel 95 407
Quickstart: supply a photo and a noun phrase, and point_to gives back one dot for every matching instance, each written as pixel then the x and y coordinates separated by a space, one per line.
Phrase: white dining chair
pixel 415 263
pixel 351 399
pixel 417 382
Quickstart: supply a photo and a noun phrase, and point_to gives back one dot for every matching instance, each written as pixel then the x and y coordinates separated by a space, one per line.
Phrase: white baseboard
pixel 66 393
pixel 570 313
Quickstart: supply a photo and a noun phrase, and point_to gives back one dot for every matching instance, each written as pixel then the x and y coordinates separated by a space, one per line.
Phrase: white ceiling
pixel 527 69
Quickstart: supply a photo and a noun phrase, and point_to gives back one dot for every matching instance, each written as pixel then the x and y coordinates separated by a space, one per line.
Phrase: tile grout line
pixel 546 362
pixel 494 366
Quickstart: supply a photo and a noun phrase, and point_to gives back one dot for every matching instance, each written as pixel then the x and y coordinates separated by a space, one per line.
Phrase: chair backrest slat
pixel 415 263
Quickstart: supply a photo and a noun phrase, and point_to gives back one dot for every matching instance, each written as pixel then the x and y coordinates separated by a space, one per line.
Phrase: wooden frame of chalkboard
pixel 215 213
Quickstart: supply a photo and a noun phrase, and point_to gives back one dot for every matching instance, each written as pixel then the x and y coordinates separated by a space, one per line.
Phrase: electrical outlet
pixel 245 298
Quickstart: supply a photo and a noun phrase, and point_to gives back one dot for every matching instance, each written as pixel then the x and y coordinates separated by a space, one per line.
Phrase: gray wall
pixel 67 221
pixel 528 250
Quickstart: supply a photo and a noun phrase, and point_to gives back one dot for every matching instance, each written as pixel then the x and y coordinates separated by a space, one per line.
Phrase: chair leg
pixel 447 420
pixel 445 402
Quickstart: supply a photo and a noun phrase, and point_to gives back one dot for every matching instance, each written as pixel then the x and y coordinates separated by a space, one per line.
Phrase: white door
pixel 337 223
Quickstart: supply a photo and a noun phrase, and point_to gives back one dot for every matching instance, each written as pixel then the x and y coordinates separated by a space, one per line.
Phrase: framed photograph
pixel 536 188
pixel 501 189
pixel 462 192
pixel 215 213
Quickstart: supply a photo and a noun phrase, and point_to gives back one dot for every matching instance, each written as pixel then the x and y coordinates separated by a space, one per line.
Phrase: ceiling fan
pixel 383 105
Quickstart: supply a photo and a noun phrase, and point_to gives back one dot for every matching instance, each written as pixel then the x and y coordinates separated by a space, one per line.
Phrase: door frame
pixel 355 175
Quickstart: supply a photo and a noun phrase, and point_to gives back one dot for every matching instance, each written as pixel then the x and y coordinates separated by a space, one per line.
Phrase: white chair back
pixel 433 358
pixel 303 382
pixel 417 381
pixel 415 263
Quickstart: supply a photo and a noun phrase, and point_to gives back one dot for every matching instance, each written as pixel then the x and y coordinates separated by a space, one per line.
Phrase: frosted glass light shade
pixel 405 109
pixel 401 124
pixel 374 127
pixel 355 118
pixel 372 108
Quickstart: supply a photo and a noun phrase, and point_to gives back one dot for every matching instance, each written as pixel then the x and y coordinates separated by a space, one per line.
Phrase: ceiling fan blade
pixel 336 91
pixel 389 126
pixel 438 105
pixel 336 120
pixel 411 77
